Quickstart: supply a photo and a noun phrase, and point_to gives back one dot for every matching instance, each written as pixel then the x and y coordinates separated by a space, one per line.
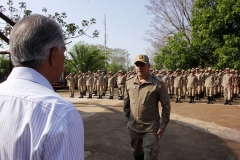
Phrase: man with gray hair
pixel 37 123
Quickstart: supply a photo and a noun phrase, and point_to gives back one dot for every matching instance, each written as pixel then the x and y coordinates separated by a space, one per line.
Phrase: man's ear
pixel 53 56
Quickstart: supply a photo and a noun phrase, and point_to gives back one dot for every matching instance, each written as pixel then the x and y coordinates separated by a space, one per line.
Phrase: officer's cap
pixel 169 70
pixel 89 71
pixel 201 70
pixel 120 71
pixel 177 70
pixel 142 58
pixel 197 68
pixel 110 72
pixel 183 71
pixel 227 69
pixel 217 70
pixel 209 68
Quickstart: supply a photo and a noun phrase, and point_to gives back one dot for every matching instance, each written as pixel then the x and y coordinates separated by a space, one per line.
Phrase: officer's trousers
pixel 191 91
pixel 111 90
pixel 209 91
pixel 146 143
pixel 177 92
pixel 199 89
pixel 100 89
pixel 89 88
pixel 122 89
pixel 227 92
pixel 71 89
pixel 184 90
pixel 81 88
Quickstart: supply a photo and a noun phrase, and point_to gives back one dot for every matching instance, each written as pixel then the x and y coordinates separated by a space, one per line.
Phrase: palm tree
pixel 84 57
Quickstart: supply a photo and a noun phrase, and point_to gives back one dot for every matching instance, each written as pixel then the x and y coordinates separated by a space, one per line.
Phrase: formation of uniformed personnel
pixel 71 83
pixel 144 91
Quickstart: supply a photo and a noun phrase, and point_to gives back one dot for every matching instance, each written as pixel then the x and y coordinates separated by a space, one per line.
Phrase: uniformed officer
pixel 209 83
pixel 81 82
pixel 170 86
pixel 191 85
pixel 235 84
pixel 218 81
pixel 121 80
pixel 227 84
pixel 184 84
pixel 143 94
pixel 177 85
pixel 89 83
pixel 198 74
pixel 71 83
pixel 100 82
pixel 111 83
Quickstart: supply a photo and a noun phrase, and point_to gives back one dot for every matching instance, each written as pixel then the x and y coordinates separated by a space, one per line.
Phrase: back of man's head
pixel 32 39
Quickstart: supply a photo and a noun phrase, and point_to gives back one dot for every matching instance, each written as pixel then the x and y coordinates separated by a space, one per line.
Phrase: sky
pixel 126 20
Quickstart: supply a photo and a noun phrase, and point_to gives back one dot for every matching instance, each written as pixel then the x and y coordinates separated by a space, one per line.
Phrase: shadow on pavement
pixel 106 138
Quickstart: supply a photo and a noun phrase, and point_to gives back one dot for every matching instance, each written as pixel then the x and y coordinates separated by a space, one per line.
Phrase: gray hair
pixel 32 39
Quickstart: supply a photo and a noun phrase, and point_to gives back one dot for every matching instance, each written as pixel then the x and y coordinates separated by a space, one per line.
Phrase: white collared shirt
pixel 35 122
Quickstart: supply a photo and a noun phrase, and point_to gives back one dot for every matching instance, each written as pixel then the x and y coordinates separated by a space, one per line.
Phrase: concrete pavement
pixel 196 131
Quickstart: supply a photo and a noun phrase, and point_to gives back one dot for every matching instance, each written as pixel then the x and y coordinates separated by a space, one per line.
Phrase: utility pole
pixel 105 41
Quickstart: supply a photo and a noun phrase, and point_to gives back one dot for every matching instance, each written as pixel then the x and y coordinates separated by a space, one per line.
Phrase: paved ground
pixel 197 131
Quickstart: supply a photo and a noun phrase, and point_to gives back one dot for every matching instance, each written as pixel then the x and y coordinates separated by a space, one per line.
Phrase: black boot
pixel 193 99
pixel 98 97
pixel 190 99
pixel 229 102
pixel 208 100
pixel 101 97
pixel 71 96
pixel 214 98
pixel 211 100
pixel 95 93
pixel 196 95
pixel 120 98
pixel 226 102
pixel 90 96
pixel 176 100
pixel 179 100
pixel 81 95
pixel 235 96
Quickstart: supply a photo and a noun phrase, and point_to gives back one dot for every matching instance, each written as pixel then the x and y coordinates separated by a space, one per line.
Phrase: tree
pixel 71 30
pixel 84 57
pixel 4 65
pixel 216 32
pixel 118 59
pixel 171 16
pixel 177 53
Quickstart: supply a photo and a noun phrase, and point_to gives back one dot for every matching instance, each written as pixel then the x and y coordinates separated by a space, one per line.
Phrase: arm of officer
pixel 126 105
pixel 166 108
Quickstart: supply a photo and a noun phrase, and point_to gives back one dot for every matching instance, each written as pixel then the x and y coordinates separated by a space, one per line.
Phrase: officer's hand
pixel 160 133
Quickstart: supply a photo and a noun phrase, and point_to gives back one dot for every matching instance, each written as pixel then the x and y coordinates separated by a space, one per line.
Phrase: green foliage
pixel 176 54
pixel 118 59
pixel 216 32
pixel 4 65
pixel 70 30
pixel 84 57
